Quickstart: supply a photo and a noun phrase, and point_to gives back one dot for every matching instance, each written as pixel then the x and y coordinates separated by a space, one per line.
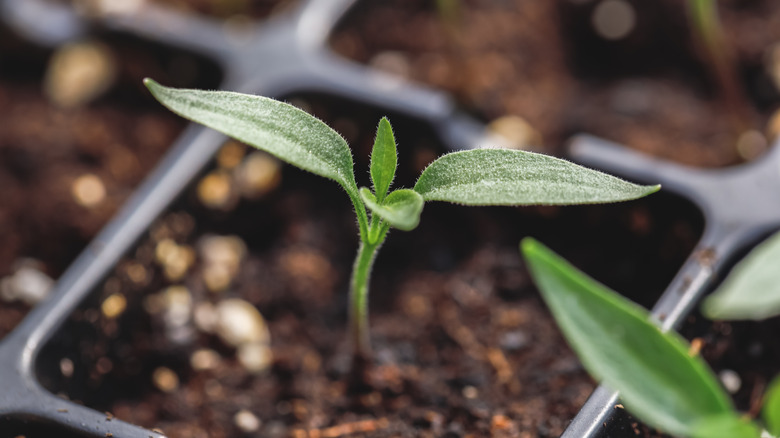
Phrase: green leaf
pixel 401 208
pixel 280 129
pixel 752 289
pixel 510 177
pixel 658 380
pixel 384 159
pixel 725 426
pixel 771 410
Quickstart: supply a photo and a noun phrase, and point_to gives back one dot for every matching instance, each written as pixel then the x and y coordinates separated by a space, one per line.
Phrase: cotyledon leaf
pixel 384 159
pixel 657 379
pixel 280 129
pixel 511 177
pixel 771 410
pixel 401 209
pixel 752 289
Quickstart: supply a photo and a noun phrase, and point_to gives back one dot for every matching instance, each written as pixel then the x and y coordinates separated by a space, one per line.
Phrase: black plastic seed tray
pixel 286 54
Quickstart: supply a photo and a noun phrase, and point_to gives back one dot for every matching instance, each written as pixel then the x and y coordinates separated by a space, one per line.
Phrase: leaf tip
pixel 529 246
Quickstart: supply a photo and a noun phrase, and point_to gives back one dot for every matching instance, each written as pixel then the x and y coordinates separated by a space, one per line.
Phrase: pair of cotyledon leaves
pixel 658 380
pixel 475 177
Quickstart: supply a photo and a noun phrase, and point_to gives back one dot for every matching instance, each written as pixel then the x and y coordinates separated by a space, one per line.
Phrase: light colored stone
pixel 230 154
pixel 204 359
pixel 751 144
pixel 730 380
pixel 175 259
pixel 240 323
pixel 258 174
pixel 613 19
pixel 222 256
pixel 78 73
pixel 255 357
pixel 114 305
pixel 66 367
pixel 246 421
pixel 165 379
pixel 515 132
pixel 88 190
pixel 27 284
pixel 215 190
pixel 206 317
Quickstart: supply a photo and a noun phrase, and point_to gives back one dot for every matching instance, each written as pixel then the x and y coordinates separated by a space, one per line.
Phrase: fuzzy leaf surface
pixel 511 177
pixel 771 409
pixel 752 289
pixel 290 134
pixel 384 159
pixel 658 381
pixel 401 209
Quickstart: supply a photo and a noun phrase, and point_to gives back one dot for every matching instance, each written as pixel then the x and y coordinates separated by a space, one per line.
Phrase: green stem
pixel 358 297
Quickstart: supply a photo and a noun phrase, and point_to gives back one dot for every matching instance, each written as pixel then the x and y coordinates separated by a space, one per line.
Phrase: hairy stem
pixel 358 297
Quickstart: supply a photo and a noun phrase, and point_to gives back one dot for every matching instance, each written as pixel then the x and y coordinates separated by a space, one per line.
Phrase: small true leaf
pixel 384 159
pixel 510 177
pixel 752 290
pixel 401 209
pixel 658 380
pixel 280 129
pixel 729 425
pixel 771 410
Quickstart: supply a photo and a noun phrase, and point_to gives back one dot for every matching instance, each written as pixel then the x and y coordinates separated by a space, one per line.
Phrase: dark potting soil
pixel 543 61
pixel 45 149
pixel 463 345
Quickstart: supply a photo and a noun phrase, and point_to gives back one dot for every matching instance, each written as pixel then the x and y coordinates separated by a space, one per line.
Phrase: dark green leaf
pixel 280 129
pixel 401 208
pixel 771 410
pixel 510 177
pixel 658 380
pixel 752 290
pixel 384 159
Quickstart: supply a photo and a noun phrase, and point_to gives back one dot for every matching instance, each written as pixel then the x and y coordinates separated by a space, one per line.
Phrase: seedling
pixel 659 381
pixel 475 177
pixel 709 31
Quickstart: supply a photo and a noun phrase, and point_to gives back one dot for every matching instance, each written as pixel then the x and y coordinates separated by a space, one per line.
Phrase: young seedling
pixel 658 380
pixel 709 31
pixel 475 177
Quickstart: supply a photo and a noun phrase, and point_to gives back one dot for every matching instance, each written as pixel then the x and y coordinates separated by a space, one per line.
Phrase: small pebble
pixel 206 317
pixel 751 144
pixel 78 73
pixel 240 323
pixel 66 367
pixel 470 392
pixel 222 256
pixel 175 259
pixel 165 379
pixel 114 305
pixel 393 62
pixel 27 284
pixel 258 174
pixel 215 190
pixel 730 380
pixel 230 154
pixel 246 421
pixel 613 19
pixel 88 190
pixel 255 357
pixel 204 359
pixel 514 340
pixel 516 131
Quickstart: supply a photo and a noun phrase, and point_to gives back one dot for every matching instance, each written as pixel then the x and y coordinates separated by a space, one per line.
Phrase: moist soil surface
pixel 463 345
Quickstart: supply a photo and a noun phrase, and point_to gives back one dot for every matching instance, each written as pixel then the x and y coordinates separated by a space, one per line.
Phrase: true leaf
pixel 384 159
pixel 658 380
pixel 752 290
pixel 401 208
pixel 771 410
pixel 511 177
pixel 280 129
pixel 726 426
